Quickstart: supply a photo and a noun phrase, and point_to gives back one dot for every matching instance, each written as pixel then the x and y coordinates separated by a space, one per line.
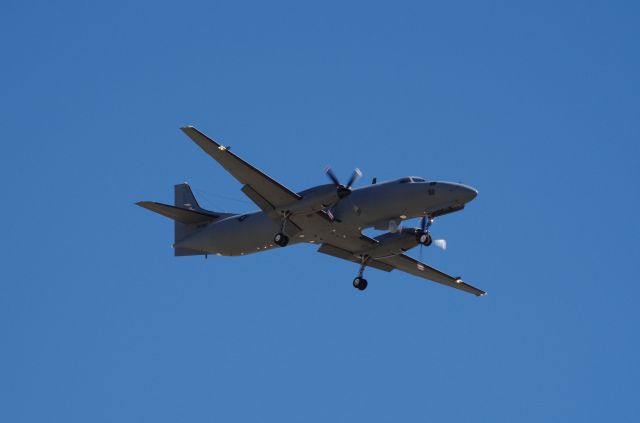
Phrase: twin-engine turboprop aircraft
pixel 331 215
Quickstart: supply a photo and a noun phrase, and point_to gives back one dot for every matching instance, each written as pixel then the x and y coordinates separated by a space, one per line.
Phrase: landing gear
pixel 359 282
pixel 281 239
pixel 422 235
pixel 424 238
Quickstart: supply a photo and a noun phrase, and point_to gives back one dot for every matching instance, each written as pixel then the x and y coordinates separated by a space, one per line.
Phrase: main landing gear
pixel 359 282
pixel 280 238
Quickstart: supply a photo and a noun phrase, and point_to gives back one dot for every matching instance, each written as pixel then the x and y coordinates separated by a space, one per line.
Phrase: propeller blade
pixel 354 177
pixel 332 176
pixel 440 243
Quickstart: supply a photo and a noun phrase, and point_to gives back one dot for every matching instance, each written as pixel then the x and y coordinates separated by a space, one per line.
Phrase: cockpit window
pixel 411 179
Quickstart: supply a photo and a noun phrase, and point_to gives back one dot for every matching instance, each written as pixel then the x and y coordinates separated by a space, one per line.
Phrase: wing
pixel 416 268
pixel 334 251
pixel 267 193
pixel 333 232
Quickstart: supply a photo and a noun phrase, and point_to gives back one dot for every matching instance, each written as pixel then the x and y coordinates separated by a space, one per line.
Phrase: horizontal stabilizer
pixel 180 214
pixel 187 215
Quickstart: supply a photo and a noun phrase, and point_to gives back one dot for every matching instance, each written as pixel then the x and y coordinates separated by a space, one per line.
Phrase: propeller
pixel 343 190
pixel 440 243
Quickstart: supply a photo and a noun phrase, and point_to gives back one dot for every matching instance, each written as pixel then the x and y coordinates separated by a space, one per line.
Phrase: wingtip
pixel 145 204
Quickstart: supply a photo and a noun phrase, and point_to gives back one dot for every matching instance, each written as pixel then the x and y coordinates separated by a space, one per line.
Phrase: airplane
pixel 331 215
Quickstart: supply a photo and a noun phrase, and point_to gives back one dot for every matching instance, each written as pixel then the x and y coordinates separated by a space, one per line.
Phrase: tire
pixel 281 239
pixel 363 285
pixel 425 239
pixel 360 283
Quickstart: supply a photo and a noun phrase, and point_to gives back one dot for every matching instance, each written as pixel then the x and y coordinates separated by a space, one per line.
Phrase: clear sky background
pixel 533 103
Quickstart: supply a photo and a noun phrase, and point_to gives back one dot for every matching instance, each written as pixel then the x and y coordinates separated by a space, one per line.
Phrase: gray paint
pixel 308 220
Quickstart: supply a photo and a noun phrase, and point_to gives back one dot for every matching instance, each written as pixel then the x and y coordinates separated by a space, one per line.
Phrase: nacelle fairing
pixel 391 244
pixel 313 200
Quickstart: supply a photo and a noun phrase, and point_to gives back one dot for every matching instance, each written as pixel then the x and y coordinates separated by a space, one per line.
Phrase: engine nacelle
pixel 391 244
pixel 313 200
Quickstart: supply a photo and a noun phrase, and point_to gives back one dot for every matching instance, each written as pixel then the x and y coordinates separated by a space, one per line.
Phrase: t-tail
pixel 187 215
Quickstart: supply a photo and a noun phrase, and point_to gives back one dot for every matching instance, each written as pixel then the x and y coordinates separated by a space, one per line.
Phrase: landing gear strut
pixel 359 282
pixel 280 238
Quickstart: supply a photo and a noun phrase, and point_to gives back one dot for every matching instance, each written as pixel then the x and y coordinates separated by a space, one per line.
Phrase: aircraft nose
pixel 470 193
pixel 466 193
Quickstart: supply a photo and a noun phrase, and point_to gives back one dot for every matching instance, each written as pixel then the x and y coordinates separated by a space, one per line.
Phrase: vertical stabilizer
pixel 184 199
pixel 187 215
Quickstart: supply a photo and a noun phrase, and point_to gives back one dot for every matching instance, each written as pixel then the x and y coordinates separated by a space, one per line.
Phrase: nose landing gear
pixel 422 235
pixel 424 239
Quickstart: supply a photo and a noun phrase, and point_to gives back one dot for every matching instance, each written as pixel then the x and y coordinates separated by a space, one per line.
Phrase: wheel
pixel 281 239
pixel 425 239
pixel 363 285
pixel 360 283
pixel 357 282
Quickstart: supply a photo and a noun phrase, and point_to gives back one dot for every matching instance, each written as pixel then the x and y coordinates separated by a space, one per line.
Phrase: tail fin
pixel 183 197
pixel 187 214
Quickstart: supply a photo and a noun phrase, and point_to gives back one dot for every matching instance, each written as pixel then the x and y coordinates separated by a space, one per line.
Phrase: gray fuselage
pixel 374 205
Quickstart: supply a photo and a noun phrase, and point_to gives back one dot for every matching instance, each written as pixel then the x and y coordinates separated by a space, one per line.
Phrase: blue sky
pixel 533 103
